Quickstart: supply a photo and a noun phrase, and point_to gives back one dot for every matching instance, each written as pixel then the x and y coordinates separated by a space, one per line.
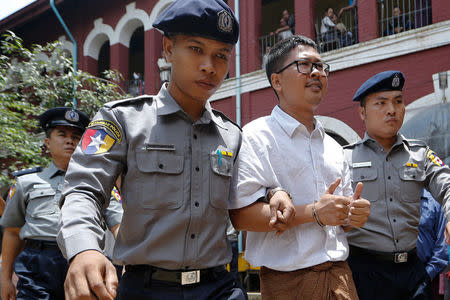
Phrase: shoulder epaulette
pixel 128 101
pixel 352 145
pixel 415 143
pixel 218 112
pixel 26 171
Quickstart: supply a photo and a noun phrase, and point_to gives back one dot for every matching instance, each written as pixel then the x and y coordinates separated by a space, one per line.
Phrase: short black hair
pixel 278 53
pixel 362 102
pixel 48 132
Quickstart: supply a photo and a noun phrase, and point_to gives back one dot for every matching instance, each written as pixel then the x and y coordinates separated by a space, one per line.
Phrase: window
pixel 401 15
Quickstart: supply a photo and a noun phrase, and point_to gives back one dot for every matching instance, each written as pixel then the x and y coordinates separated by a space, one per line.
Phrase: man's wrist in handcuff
pixel 271 192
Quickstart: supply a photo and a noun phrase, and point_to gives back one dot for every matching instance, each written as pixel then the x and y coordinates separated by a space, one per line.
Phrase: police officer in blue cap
pixel 31 214
pixel 393 169
pixel 176 157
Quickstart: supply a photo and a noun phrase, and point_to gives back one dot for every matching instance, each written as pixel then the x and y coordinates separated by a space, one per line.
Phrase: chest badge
pixel 364 164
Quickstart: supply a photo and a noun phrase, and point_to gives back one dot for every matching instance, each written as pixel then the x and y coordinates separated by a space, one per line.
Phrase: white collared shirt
pixel 277 150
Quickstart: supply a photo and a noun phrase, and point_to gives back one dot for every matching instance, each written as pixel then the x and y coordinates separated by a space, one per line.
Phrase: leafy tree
pixel 29 85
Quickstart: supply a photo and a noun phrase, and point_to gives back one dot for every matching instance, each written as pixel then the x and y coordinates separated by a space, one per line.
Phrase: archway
pixel 104 61
pixel 136 59
pixel 340 131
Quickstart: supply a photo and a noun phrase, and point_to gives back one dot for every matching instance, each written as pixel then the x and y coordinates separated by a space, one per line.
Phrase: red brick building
pixel 118 34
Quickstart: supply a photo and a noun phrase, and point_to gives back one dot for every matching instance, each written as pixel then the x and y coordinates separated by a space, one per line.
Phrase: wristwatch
pixel 272 192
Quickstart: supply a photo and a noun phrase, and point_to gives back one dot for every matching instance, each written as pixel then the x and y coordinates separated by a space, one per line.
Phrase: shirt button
pixel 192 236
pixel 195 136
pixel 161 166
pixel 390 199
pixel 389 177
pixel 197 204
pixel 197 169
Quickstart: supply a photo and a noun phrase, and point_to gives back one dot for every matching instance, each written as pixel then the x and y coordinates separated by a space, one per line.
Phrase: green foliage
pixel 29 85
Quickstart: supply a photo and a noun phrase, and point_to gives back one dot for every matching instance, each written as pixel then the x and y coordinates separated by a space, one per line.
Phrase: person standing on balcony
pixel 398 23
pixel 327 28
pixel 287 22
pixel 345 36
pixel 288 158
pixel 383 255
pixel 287 26
pixel 290 20
pixel 283 31
pixel 176 156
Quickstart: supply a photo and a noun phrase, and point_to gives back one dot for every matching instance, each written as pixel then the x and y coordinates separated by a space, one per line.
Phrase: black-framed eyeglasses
pixel 305 66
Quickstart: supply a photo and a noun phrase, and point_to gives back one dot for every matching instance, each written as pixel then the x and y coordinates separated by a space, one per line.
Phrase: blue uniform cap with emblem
pixel 63 116
pixel 384 81
pixel 206 18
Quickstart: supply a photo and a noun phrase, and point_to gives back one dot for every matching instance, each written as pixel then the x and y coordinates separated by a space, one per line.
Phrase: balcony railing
pixel 343 34
pixel 267 42
pixel 402 15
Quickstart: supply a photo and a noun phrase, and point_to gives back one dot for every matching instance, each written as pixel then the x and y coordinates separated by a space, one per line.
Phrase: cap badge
pixel 72 116
pixel 395 81
pixel 224 21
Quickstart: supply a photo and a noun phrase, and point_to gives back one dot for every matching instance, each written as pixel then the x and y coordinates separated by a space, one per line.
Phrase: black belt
pixel 394 257
pixel 41 245
pixel 181 277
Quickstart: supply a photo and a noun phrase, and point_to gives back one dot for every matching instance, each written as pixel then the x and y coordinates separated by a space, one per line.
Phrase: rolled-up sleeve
pixel 252 173
pixel 14 214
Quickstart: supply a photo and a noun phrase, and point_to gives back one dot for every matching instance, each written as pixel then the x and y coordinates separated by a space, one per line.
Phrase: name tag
pixel 364 164
pixel 41 186
pixel 160 147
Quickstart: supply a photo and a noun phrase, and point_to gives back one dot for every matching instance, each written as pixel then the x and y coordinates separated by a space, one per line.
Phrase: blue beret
pixel 384 81
pixel 63 116
pixel 207 18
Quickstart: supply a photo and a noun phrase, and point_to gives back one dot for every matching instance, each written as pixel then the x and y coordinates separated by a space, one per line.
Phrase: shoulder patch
pixel 128 101
pixel 221 114
pixel 431 155
pixel 96 141
pixel 26 171
pixel 115 193
pixel 11 191
pixel 110 126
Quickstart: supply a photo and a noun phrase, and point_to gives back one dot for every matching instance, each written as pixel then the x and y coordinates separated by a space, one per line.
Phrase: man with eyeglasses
pixel 292 190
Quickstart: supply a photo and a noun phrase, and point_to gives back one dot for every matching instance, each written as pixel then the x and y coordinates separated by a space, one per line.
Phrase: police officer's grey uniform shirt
pixel 175 185
pixel 33 204
pixel 393 183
